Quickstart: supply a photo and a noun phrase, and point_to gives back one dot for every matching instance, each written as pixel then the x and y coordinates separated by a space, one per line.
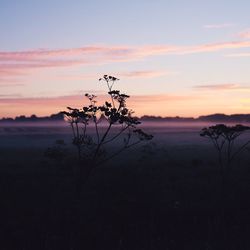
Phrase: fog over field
pixel 41 135
pixel 175 137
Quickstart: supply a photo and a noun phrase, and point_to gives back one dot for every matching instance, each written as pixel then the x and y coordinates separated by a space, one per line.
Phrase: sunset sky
pixel 178 57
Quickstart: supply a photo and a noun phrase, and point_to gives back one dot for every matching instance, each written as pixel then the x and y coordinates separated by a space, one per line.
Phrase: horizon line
pixel 139 117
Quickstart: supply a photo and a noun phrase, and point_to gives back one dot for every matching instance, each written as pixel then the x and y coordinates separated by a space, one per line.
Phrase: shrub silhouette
pixel 111 121
pixel 223 138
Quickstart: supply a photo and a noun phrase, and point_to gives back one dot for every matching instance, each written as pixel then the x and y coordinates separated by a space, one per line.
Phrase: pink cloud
pixel 19 62
pixel 65 57
pixel 227 86
pixel 10 83
pixel 10 71
pixel 40 55
pixel 78 100
pixel 222 87
pixel 13 71
pixel 142 74
pixel 48 53
pixel 216 47
pixel 244 34
pixel 10 96
pixel 123 74
pixel 161 98
pixel 13 64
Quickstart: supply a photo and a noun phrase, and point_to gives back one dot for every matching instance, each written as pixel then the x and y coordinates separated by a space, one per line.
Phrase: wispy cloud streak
pixel 123 74
pixel 227 86
pixel 143 74
pixel 216 47
pixel 12 84
pixel 15 63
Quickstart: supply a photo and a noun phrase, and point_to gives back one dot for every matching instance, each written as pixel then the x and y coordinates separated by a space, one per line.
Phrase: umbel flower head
pixel 222 130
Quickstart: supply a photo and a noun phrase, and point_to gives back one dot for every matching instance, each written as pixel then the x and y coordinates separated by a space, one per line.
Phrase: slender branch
pixel 219 149
pixel 78 143
pixel 96 129
pixel 73 129
pixel 77 130
pixel 112 99
pixel 133 144
pixel 110 89
pixel 118 152
pixel 101 142
pixel 216 144
pixel 114 137
pixel 84 129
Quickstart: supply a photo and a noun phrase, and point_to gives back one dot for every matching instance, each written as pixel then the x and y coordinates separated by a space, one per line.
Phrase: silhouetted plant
pixel 111 121
pixel 223 138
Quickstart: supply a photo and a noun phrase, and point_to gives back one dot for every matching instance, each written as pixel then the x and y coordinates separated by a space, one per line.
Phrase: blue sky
pixel 32 23
pixel 184 53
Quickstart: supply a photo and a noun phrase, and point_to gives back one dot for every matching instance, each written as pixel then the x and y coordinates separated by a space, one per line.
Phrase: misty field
pixel 163 194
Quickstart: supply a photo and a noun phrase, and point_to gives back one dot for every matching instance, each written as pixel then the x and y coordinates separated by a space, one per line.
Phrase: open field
pixel 162 195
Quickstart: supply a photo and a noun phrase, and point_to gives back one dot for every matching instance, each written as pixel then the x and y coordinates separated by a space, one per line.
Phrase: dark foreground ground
pixel 166 195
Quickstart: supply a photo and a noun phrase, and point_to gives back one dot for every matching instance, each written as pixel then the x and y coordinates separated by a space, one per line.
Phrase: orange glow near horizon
pixel 156 105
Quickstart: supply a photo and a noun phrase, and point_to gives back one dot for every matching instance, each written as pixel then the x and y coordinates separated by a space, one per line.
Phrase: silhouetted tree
pixel 223 138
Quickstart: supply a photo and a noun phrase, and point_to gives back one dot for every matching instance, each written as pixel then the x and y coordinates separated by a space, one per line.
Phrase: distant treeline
pixel 34 118
pixel 206 118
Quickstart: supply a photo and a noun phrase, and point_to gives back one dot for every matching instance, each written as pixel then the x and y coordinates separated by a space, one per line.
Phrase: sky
pixel 173 57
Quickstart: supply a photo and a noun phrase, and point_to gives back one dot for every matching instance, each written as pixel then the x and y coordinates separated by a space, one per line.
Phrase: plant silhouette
pixel 223 138
pixel 111 122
